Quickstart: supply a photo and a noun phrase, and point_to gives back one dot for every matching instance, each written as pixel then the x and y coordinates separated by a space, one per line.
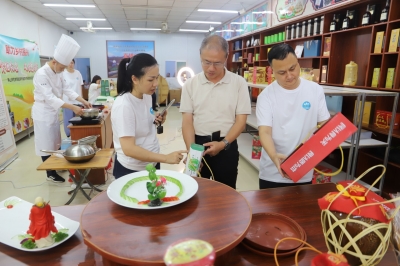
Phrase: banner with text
pixel 19 60
pixel 8 149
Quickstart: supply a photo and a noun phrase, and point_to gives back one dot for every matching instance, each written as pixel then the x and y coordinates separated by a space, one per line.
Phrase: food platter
pixel 133 186
pixel 14 213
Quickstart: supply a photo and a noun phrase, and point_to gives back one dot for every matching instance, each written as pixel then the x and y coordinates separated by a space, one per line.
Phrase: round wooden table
pixel 217 214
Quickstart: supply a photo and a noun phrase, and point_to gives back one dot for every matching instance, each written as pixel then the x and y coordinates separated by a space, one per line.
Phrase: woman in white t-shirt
pixel 94 89
pixel 73 79
pixel 132 117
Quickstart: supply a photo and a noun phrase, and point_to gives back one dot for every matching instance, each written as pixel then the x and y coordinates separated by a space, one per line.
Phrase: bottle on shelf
pixel 333 27
pixel 293 34
pixel 366 19
pixel 321 25
pixel 288 32
pixel 316 26
pixel 304 29
pixel 385 13
pixel 298 30
pixel 310 27
pixel 346 21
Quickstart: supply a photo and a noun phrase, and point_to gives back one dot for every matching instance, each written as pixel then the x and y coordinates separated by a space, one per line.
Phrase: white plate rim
pixel 60 223
pixel 114 189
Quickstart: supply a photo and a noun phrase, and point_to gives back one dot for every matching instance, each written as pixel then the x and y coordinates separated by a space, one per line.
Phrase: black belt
pixel 205 139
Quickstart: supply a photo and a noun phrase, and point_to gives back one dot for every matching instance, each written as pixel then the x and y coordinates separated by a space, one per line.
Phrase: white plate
pixel 15 221
pixel 138 190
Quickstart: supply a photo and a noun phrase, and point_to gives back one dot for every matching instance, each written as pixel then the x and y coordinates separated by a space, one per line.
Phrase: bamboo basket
pixel 340 241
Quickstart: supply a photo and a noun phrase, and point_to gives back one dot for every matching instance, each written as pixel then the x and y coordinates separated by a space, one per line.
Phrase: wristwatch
pixel 227 144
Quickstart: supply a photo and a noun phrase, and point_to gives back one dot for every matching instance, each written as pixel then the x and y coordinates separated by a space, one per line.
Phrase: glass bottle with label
pixel 310 27
pixel 288 32
pixel 304 29
pixel 333 26
pixel 346 21
pixel 321 25
pixel 298 30
pixel 293 33
pixel 366 19
pixel 385 13
pixel 316 26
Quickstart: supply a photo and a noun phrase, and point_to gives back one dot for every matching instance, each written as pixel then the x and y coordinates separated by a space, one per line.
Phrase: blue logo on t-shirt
pixel 306 105
pixel 151 111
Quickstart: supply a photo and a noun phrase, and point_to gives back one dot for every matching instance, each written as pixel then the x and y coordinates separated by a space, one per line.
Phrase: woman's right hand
pixel 77 110
pixel 175 157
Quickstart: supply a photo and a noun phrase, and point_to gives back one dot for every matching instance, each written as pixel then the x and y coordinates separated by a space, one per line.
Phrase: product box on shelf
pixel 320 178
pixel 379 42
pixel 394 40
pixel 306 73
pixel 375 77
pixel 324 74
pixel 334 103
pixel 369 110
pixel 327 46
pixel 390 78
pixel 257 75
pixel 383 118
pixel 299 50
pixel 315 149
pixel 312 48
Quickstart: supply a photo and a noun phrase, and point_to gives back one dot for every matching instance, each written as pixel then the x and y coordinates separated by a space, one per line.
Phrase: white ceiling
pixel 174 12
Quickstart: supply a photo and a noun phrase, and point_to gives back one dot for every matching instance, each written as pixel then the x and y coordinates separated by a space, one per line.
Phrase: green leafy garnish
pixel 28 243
pixel 60 236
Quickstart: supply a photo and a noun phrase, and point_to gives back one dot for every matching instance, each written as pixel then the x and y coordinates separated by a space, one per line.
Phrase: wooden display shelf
pixel 304 38
pixel 388 89
pixel 395 133
pixel 271 44
pixel 381 159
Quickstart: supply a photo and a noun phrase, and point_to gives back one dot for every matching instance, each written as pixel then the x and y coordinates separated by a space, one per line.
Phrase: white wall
pixel 20 23
pixel 168 47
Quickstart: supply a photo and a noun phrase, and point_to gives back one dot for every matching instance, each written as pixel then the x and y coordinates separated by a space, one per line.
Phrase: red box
pixel 314 150
pixel 256 140
pixel 321 178
pixel 256 152
pixel 382 119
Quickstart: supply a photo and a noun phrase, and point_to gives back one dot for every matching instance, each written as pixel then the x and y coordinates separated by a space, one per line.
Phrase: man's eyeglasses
pixel 215 64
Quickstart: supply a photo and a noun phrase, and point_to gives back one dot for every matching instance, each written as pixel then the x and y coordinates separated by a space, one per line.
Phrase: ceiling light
pixel 99 19
pixel 145 29
pixel 94 28
pixel 146 7
pixel 217 10
pixel 257 23
pixel 193 30
pixel 205 22
pixel 68 5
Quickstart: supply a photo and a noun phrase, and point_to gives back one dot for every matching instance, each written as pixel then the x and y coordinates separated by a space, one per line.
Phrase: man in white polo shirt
pixel 287 110
pixel 214 106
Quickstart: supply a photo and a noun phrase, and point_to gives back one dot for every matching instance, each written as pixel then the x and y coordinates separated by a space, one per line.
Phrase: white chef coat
pixel 48 92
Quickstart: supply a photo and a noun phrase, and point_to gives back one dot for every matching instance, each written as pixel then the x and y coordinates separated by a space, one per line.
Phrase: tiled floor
pixel 21 178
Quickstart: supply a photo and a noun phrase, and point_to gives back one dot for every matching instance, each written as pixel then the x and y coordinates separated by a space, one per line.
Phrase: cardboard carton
pixel 320 178
pixel 175 94
pixel 369 109
pixel 383 118
pixel 320 145
pixel 257 75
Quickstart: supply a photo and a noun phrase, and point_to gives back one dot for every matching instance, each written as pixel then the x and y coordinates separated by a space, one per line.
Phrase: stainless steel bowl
pixel 90 113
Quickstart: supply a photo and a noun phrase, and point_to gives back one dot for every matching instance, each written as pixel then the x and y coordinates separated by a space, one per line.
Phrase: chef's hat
pixel 66 50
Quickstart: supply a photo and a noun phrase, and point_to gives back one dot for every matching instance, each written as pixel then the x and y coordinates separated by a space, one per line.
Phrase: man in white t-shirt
pixel 74 81
pixel 287 110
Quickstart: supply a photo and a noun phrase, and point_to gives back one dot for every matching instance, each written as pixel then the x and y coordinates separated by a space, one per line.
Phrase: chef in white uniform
pixel 50 86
